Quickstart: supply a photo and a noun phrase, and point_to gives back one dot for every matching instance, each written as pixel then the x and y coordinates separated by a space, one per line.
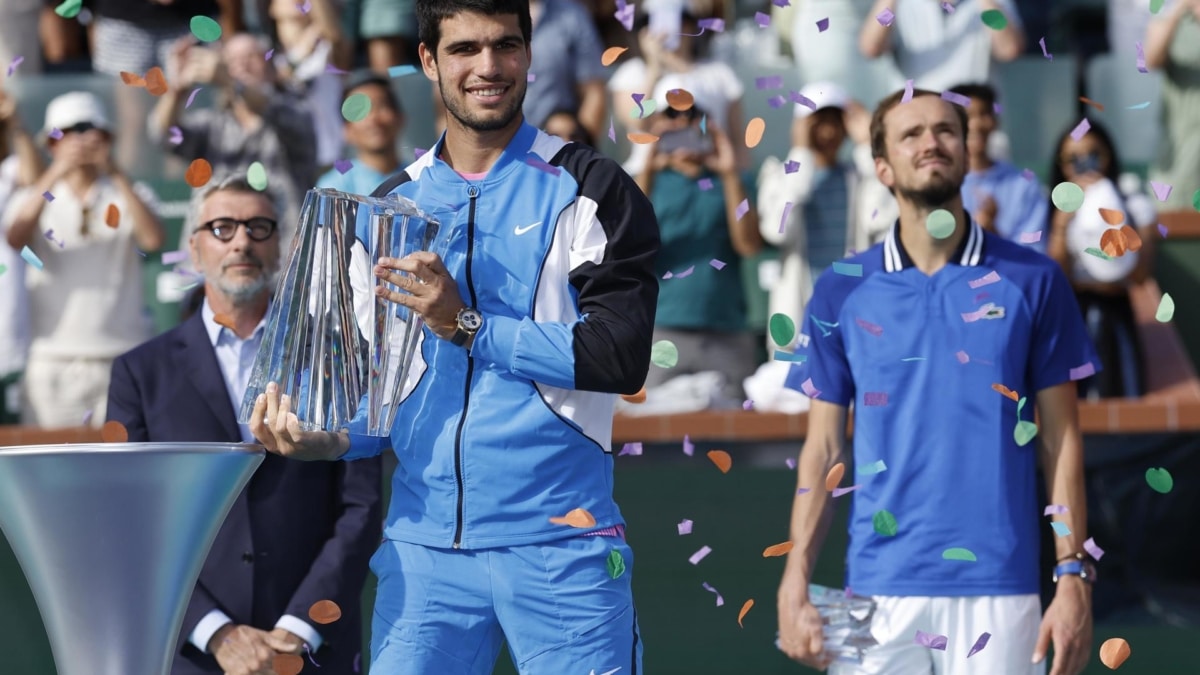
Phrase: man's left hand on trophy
pixel 426 287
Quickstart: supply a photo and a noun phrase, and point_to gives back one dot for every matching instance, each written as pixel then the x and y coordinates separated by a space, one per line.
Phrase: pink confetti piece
pixel 1042 44
pixel 787 211
pixel 634 449
pixel 539 164
pixel 908 91
pixel 343 166
pixel 885 18
pixel 747 405
pixel 931 640
pixel 175 135
pixel 808 389
pixel 962 356
pixel 686 273
pixel 791 463
pixel 989 278
pixel 979 644
pixel 710 589
pixel 47 196
pixel 717 264
pixel 1093 550
pixel 705 184
pixel 964 101
pixel 685 527
pixel 1162 230
pixel 822 25
pixel 742 208
pixel 771 82
pixel 1030 237
pixel 12 67
pixel 875 398
pixel 791 167
pixel 1081 129
pixel 700 555
pixel 971 317
pixel 689 448
pixel 1054 510
pixel 838 492
pixel 192 97
pixel 174 257
pixel 1086 370
pixel 763 20
pixel 869 327
pixel 269 54
pixel 1161 190
pixel 1141 58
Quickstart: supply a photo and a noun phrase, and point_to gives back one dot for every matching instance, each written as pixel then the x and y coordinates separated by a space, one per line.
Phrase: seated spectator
pixel 1102 284
pixel 996 194
pixel 373 137
pixel 1171 39
pixel 82 218
pixel 310 42
pixel 833 206
pixel 255 120
pixel 693 182
pixel 565 125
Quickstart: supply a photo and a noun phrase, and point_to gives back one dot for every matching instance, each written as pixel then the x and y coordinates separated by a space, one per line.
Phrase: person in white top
pixel 82 219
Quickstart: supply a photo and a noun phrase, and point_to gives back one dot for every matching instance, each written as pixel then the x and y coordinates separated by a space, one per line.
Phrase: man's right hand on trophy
pixel 275 426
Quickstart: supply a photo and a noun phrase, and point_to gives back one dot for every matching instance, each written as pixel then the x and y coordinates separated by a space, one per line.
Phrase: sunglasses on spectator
pixel 225 229
pixel 80 128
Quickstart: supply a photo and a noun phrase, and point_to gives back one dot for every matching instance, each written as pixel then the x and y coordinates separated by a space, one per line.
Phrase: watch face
pixel 470 320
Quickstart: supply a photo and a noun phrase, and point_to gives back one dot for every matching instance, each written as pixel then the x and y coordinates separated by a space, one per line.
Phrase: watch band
pixel 1080 568
pixel 459 338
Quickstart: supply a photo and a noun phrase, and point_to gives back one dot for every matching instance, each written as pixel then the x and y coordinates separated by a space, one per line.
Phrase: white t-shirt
pixel 939 49
pixel 87 300
pixel 14 303
pixel 1088 227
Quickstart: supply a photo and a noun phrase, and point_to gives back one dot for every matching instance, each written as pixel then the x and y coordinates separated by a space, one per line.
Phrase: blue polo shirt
pixel 917 355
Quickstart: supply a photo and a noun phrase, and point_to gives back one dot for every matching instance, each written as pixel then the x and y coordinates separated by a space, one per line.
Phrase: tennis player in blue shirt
pixel 943 341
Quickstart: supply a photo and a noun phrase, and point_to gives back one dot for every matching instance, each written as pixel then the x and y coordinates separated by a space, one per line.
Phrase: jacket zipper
pixel 473 193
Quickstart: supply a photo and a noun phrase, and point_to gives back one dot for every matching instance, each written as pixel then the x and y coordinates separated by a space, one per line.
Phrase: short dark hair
pixel 430 14
pixel 984 92
pixel 363 78
pixel 879 132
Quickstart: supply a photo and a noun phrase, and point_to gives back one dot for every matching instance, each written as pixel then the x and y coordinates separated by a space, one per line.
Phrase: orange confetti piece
pixel 1112 243
pixel 324 611
pixel 754 131
pixel 611 55
pixel 225 320
pixel 575 518
pixel 1005 391
pixel 722 459
pixel 114 432
pixel 1097 106
pixel 778 550
pixel 834 477
pixel 287 664
pixel 745 610
pixel 132 79
pixel 1133 241
pixel 1113 652
pixel 640 138
pixel 156 82
pixel 680 99
pixel 112 216
pixel 198 173
pixel 639 397
pixel 1112 216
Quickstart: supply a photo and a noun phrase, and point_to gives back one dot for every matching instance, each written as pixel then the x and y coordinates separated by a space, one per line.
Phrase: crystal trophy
pixel 847 622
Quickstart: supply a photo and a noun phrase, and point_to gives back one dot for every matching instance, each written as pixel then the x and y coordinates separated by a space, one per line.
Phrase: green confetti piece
pixel 3 269
pixel 1156 6
pixel 205 29
pixel 1060 528
pixel 356 107
pixel 958 554
pixel 664 354
pixel 1166 308
pixel 885 523
pixel 69 9
pixel 994 19
pixel 940 224
pixel 648 106
pixel 1024 432
pixel 256 176
pixel 1160 480
pixel 782 329
pixel 1067 197
pixel 1020 405
pixel 616 564
pixel 1092 250
pixel 1196 200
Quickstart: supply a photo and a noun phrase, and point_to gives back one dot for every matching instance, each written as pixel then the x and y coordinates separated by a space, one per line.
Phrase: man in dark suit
pixel 300 532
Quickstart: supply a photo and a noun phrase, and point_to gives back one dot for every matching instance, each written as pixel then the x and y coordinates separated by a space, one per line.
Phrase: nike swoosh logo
pixel 518 230
pixel 607 673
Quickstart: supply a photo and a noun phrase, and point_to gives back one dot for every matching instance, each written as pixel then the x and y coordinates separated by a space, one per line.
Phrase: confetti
pixel 782 329
pixel 1030 237
pixel 979 644
pixel 689 448
pixel 192 97
pixel 822 25
pixel 715 25
pixel 114 432
pixel 287 664
pixel 1156 6
pixel 962 357
pixel 790 357
pixel 1097 106
pixel 543 166
pixel 205 29
pixel 777 101
pixel 343 166
pixel 1139 106
pixel 356 107
pixel 175 135
pixel 1162 230
pixel 1067 197
pixel 112 216
pixel 834 476
pixel 985 280
pixel 801 491
pixel 256 176
pixel 791 167
pixel 12 67
pixel 742 208
pixel 705 184
pixel 994 19
pixel 710 589
pixel 964 101
pixel 908 91
pixel 940 223
pixel 885 18
pixel 763 20
pixel 791 463
pixel 964 554
pixel 268 55
pixel 1081 129
pixel 55 133
pixel 848 269
pixel 878 466
pixel 745 609
pixel 1160 480
pixel 69 9
pixel 401 71
pixel 1060 528
pixel 684 527
pixel 754 132
pixel 1113 652
pixel 30 257
pixel 947 8
pixel 639 138
pixel 1024 432
pixel 611 55
pixel 198 173
pixel 1166 309
pixel 156 82
pixel 615 564
pixel 716 264
pixel 680 99
pixel 769 82
pixel 884 523
pixel 1092 549
pixel 1048 55
pixel 722 459
pixel 634 449
pixel 1112 243
pixel 174 257
pixel 1054 509
pixel 787 211
pixel 931 640
pixel 686 273
pixel 875 398
pixel 1141 58
pixel 700 555
pixel 869 327
pixel 132 79
pixel 529 77
pixel 225 320
pixel 808 389
pixel 1112 216
pixel 1092 250
pixel 612 130
pixel 324 612
pixel 3 269
pixel 838 492
pixel 1161 190
pixel 579 518
pixel 778 550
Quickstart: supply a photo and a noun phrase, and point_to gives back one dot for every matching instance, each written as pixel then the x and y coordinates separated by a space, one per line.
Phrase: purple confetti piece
pixel 1042 44
pixel 1081 129
pixel 192 97
pixel 705 184
pixel 310 656
pixel 417 152
pixel 1162 230
pixel 742 208
pixel 1092 549
pixel 686 273
pixel 47 196
pixel 1054 510
pixel 801 99
pixel 800 491
pixel 710 589
pixel 12 67
pixel 1030 237
pixel 964 101
pixel 334 70
pixel 87 416
pixel 306 7
pixel 634 449
pixel 769 82
pixel 947 8
pixel 979 644
pixel 1086 370
pixel 787 211
pixel 791 167
pixel 908 91
pixel 343 165
pixel 869 327
pixel 777 102
pixel 1141 58
pixel 875 398
pixel 717 264
pixel 1028 175
pixel 685 527
pixel 174 257
pixel 358 663
pixel 808 389
pixel 140 252
pixel 668 275
pixel 747 405
pixel 637 98
pixel 989 278
pixel 781 3
pixel 612 131
pixel 715 25
pixel 962 356
pixel 700 555
pixel 838 492
pixel 791 463
pixel 1161 190
pixel 822 25
pixel 55 133
pixel 269 54
pixel 689 448
pixel 763 20
pixel 625 17
pixel 931 640
pixel 539 164
pixel 175 135
pixel 885 18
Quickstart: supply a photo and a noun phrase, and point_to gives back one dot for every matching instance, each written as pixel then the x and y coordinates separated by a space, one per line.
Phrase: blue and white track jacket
pixel 555 247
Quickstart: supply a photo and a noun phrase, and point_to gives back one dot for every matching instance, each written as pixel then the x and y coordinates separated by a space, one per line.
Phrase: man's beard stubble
pixel 933 196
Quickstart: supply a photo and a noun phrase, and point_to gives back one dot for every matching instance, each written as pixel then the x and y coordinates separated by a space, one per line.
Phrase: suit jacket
pixel 300 532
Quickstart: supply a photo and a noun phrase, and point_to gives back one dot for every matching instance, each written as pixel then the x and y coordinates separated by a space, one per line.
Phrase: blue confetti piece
pixel 704 124
pixel 790 357
pixel 914 358
pixel 1140 106
pixel 1060 528
pixel 873 468
pixel 31 257
pixel 401 71
pixel 847 269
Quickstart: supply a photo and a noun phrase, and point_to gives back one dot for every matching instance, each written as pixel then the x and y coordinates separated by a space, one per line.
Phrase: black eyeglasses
pixel 225 229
